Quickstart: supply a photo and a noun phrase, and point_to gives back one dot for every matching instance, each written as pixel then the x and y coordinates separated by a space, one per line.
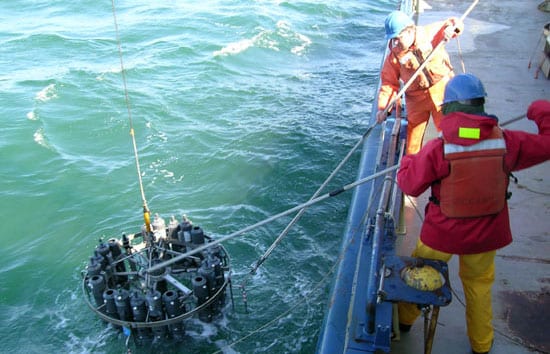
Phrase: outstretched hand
pixel 453 27
pixel 539 110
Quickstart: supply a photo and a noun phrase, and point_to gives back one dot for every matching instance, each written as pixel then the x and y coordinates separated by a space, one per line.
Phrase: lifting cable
pixel 460 55
pixel 146 212
pixel 457 39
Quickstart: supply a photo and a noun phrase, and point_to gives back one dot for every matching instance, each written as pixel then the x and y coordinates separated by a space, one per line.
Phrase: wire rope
pixel 146 212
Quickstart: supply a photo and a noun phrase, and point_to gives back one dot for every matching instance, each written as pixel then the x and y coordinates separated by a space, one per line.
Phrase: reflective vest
pixel 477 183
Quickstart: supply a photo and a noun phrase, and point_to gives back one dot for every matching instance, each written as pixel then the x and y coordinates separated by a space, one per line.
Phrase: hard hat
pixel 396 22
pixel 463 87
pixel 425 278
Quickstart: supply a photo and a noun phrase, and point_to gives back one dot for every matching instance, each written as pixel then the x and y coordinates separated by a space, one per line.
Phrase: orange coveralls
pixel 425 95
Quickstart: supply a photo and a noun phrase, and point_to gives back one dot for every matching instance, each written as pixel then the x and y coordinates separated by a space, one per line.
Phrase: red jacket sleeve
pixel 417 172
pixel 523 149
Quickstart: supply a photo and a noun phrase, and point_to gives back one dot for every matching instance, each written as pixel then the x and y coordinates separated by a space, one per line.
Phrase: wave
pixel 47 93
pixel 240 110
pixel 282 38
pixel 40 139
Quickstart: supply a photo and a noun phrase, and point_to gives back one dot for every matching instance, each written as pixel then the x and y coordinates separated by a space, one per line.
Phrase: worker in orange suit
pixel 409 46
pixel 467 169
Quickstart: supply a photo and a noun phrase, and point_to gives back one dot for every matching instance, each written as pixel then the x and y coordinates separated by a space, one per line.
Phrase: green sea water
pixel 241 109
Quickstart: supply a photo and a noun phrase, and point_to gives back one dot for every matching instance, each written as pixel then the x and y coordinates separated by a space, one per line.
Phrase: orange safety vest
pixel 477 183
pixel 438 67
pixel 402 66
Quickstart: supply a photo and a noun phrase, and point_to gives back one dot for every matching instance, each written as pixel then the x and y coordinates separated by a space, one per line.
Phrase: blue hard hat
pixel 463 87
pixel 396 22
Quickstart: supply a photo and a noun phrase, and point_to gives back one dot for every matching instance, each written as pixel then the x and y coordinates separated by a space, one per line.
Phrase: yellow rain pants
pixel 477 273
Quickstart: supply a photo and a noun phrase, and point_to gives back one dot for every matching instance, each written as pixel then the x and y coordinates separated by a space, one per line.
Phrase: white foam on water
pixel 40 138
pixel 47 93
pixel 235 47
pixel 270 39
pixel 32 115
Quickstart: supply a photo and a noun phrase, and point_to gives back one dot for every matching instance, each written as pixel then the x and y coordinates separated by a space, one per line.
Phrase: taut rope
pixel 146 212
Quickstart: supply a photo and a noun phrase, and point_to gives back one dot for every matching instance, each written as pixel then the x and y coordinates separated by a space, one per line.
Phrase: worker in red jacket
pixel 409 46
pixel 467 169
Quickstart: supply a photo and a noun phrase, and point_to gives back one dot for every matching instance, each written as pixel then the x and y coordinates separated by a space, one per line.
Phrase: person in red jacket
pixel 467 169
pixel 409 47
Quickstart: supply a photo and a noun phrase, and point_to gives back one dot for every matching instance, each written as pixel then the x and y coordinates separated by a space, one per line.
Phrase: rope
pixel 460 56
pixel 146 213
pixel 315 288
pixel 304 299
pixel 541 38
pixel 458 41
pixel 316 194
pixel 302 211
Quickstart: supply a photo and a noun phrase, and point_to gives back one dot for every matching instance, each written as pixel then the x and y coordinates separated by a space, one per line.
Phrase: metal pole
pixel 274 217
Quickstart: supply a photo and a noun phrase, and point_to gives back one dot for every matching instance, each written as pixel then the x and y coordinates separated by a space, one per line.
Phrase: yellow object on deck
pixel 424 278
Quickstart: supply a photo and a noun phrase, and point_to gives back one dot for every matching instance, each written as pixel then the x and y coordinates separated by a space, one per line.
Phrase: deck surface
pixel 500 39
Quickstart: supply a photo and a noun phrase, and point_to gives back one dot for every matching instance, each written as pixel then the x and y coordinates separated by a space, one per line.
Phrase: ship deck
pixel 500 39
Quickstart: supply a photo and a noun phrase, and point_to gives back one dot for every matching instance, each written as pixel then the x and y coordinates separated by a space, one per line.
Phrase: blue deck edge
pixel 339 332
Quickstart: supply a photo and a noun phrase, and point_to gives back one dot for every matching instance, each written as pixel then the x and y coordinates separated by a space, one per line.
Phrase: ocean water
pixel 241 110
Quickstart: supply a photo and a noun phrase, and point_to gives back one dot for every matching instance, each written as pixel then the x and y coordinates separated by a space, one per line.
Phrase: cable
pixel 146 212
pixel 302 211
pixel 460 56
pixel 315 288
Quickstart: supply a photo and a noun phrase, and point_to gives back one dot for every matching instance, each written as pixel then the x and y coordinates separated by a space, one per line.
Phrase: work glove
pixel 453 27
pixel 381 116
pixel 538 111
